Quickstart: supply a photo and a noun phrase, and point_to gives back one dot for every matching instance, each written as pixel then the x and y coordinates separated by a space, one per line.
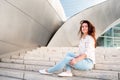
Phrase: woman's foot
pixel 65 74
pixel 44 71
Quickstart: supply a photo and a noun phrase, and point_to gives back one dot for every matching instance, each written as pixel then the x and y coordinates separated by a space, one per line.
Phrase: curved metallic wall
pixel 101 15
pixel 26 23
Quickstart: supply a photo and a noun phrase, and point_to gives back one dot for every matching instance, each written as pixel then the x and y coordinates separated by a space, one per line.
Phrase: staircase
pixel 24 65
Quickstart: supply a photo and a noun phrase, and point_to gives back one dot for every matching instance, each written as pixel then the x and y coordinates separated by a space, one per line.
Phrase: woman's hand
pixel 73 61
pixel 77 59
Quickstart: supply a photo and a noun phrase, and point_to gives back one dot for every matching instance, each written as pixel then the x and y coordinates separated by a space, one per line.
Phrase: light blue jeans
pixel 85 64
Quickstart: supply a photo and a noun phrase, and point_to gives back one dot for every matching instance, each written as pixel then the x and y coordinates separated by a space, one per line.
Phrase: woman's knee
pixel 88 67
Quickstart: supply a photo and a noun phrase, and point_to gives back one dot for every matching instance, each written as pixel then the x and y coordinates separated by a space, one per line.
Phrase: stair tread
pixel 25 66
pixel 87 74
pixel 113 67
pixel 8 78
pixel 29 75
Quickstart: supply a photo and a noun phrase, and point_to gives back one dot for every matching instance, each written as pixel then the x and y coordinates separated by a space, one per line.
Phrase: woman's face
pixel 85 28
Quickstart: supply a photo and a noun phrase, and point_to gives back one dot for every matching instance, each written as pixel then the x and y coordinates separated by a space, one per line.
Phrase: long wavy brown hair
pixel 91 29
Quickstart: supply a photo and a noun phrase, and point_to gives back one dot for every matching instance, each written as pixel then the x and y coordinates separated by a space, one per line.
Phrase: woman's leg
pixel 63 63
pixel 85 64
pixel 71 54
pixel 68 66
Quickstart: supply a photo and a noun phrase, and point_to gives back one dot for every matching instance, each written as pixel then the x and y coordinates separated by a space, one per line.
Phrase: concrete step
pixel 107 75
pixel 109 56
pixel 107 67
pixel 19 59
pixel 47 58
pixel 64 50
pixel 8 60
pixel 37 76
pixel 8 78
pixel 12 65
pixel 107 51
pixel 27 67
pixel 40 61
pixel 12 73
pixel 108 62
pixel 17 56
pixel 35 64
pixel 33 58
pixel 24 66
pixel 99 59
pixel 79 75
pixel 110 67
pixel 43 54
pixel 60 49
pixel 51 53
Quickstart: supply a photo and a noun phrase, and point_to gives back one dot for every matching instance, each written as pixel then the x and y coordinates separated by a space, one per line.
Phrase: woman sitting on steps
pixel 86 58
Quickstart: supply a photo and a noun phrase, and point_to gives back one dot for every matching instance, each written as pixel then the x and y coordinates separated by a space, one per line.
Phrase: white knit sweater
pixel 86 46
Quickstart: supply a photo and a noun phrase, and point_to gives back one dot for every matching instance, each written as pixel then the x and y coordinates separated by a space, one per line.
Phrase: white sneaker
pixel 44 71
pixel 65 74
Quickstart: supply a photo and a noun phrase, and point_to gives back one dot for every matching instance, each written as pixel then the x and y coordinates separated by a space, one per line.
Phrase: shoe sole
pixel 44 73
pixel 64 76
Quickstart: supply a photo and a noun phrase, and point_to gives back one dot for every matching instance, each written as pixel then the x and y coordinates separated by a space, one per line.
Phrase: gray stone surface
pixel 97 74
pixel 13 66
pixel 26 23
pixel 36 58
pixel 44 63
pixel 108 62
pixel 8 78
pixel 35 67
pixel 114 67
pixel 119 76
pixel 38 76
pixel 11 73
pixel 17 56
pixel 11 60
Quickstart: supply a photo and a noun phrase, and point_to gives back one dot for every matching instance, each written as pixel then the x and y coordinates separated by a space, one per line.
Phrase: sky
pixel 72 7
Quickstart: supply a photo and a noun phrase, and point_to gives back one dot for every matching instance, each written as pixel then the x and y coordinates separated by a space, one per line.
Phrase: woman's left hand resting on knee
pixel 78 58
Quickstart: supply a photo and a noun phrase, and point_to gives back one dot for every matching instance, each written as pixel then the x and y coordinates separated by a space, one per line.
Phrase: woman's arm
pixel 78 58
pixel 89 48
